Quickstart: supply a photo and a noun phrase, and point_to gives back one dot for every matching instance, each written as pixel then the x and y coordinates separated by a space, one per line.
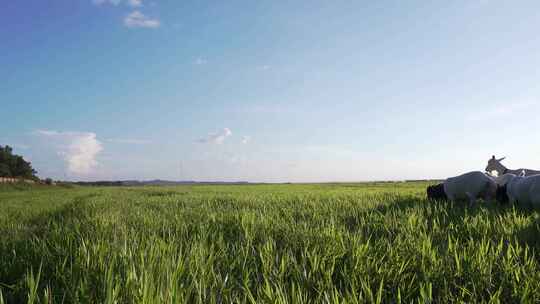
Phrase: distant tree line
pixel 101 183
pixel 12 165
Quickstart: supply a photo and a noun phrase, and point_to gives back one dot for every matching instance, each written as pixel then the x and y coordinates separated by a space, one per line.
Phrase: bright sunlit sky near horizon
pixel 272 91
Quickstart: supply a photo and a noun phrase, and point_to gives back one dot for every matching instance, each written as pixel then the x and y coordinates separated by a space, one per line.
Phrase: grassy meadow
pixel 327 243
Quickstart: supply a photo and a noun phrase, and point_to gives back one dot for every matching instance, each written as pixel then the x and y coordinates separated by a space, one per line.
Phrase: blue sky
pixel 269 90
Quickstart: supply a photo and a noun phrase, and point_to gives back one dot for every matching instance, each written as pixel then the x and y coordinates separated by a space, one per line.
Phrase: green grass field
pixel 342 243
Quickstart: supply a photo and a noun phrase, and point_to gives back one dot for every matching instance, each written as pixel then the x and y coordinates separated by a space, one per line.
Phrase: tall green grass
pixel 355 243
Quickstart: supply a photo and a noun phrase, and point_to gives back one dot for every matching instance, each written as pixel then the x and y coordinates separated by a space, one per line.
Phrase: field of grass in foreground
pixel 355 243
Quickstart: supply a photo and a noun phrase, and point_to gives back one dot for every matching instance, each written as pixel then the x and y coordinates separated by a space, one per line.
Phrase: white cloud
pixel 82 152
pixel 47 132
pixel 135 3
pixel 216 138
pixel 246 139
pixel 200 61
pixel 131 141
pixel 136 19
pixel 79 149
pixel 100 2
pixel 132 3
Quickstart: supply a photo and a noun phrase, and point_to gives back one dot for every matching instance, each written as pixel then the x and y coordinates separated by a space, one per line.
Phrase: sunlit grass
pixel 355 243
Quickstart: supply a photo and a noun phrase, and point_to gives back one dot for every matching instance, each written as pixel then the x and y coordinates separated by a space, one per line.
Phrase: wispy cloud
pixel 246 139
pixel 217 137
pixel 135 3
pixel 200 61
pixel 47 132
pixel 136 19
pixel 100 2
pixel 130 141
pixel 132 3
pixel 79 149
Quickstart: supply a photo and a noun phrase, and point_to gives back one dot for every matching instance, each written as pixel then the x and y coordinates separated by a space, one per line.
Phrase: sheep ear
pixel 501 159
pixel 493 157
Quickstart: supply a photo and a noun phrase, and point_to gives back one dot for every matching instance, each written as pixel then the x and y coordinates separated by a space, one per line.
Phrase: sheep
pixel 523 190
pixel 436 192
pixel 468 186
pixel 494 164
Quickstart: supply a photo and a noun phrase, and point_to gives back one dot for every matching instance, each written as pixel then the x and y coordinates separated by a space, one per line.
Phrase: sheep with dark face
pixel 436 192
pixel 469 186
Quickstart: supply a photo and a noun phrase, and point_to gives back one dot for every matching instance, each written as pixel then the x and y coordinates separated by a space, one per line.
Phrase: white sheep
pixel 468 186
pixel 524 190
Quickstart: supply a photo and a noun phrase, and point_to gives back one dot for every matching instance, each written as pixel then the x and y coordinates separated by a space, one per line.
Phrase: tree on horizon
pixel 13 165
